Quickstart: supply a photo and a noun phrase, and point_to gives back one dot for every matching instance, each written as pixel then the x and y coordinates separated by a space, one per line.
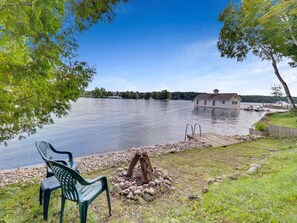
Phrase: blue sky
pixel 171 44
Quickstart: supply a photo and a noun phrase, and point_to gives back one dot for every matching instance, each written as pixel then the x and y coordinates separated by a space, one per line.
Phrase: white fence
pixel 279 131
pixel 276 131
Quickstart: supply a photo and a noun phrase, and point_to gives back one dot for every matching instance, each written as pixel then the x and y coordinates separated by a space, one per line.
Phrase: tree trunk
pixel 133 164
pixel 146 174
pixel 276 71
pixel 146 168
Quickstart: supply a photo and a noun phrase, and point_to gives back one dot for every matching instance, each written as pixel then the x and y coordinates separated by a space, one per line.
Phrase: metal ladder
pixel 193 130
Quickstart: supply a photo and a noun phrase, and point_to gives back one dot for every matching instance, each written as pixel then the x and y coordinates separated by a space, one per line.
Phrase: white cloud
pixel 200 68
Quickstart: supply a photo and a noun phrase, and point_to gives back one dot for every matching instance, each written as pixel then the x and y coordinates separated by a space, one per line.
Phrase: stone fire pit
pixel 130 183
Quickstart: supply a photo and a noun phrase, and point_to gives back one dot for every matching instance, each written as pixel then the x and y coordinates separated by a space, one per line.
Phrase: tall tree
pixel 39 75
pixel 245 30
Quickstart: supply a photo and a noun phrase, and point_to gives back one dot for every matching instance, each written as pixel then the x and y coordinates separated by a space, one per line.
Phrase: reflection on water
pixel 101 125
pixel 217 113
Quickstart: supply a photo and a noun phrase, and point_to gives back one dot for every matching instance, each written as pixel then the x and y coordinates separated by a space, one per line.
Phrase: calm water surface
pixel 102 125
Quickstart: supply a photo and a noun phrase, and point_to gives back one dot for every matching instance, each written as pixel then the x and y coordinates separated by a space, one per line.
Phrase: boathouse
pixel 217 100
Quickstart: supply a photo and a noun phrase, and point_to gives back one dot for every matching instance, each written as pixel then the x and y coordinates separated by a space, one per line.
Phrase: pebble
pixel 137 192
pixel 126 191
pixel 151 191
pixel 157 181
pixel 210 180
pixel 194 197
pixel 257 166
pixel 252 170
pixel 152 183
pixel 130 195
pixel 167 182
pixel 205 190
pixel 132 188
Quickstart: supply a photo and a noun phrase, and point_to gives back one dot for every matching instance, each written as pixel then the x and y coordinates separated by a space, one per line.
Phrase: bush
pixel 261 126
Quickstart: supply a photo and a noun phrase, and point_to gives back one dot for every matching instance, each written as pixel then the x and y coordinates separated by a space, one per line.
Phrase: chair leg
pixel 46 197
pixel 83 212
pixel 40 196
pixel 62 208
pixel 108 200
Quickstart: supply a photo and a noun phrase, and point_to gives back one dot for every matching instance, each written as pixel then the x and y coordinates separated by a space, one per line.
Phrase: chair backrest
pixel 68 179
pixel 44 149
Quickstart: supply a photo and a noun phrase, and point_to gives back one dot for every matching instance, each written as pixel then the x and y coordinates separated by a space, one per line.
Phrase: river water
pixel 104 125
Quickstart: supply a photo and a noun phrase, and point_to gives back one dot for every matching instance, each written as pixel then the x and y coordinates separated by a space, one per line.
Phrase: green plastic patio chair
pixel 76 188
pixel 46 151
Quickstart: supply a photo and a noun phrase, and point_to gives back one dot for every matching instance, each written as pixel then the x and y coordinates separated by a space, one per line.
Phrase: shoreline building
pixel 216 100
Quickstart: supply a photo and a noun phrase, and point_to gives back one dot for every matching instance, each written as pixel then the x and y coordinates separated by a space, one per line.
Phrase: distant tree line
pixel 264 99
pixel 166 95
pixel 157 95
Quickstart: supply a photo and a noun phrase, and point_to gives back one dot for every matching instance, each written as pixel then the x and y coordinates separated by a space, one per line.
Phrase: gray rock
pixel 151 191
pixel 117 189
pixel 147 197
pixel 122 185
pixel 126 191
pixel 140 188
pixel 210 180
pixel 205 190
pixel 145 185
pixel 137 192
pixel 132 188
pixel 152 183
pixel 127 184
pixel 194 197
pixel 168 187
pixel 216 183
pixel 257 166
pixel 141 201
pixel 161 179
pixel 166 181
pixel 157 181
pixel 234 176
pixel 130 195
pixel 252 170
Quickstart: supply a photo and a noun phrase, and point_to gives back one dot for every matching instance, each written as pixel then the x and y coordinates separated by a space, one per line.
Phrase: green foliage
pixel 245 31
pixel 276 90
pixel 147 95
pixel 261 126
pixel 39 75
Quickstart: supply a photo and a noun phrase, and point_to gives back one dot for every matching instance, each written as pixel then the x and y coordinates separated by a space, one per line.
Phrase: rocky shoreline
pixel 94 162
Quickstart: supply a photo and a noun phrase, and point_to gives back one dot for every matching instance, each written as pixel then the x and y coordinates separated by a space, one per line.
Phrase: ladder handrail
pixel 199 129
pixel 186 133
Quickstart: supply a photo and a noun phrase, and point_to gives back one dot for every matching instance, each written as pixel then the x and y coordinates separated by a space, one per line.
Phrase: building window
pixel 204 102
pixel 234 102
pixel 197 102
pixel 223 102
pixel 213 103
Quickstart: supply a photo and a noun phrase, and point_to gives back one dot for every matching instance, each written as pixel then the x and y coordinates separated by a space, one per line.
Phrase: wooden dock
pixel 213 139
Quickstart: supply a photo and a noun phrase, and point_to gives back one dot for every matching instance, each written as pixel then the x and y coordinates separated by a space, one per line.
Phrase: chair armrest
pixel 83 181
pixel 61 161
pixel 101 178
pixel 64 152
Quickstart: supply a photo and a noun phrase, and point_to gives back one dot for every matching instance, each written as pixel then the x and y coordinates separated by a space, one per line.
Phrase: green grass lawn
pixel 268 196
pixel 283 119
